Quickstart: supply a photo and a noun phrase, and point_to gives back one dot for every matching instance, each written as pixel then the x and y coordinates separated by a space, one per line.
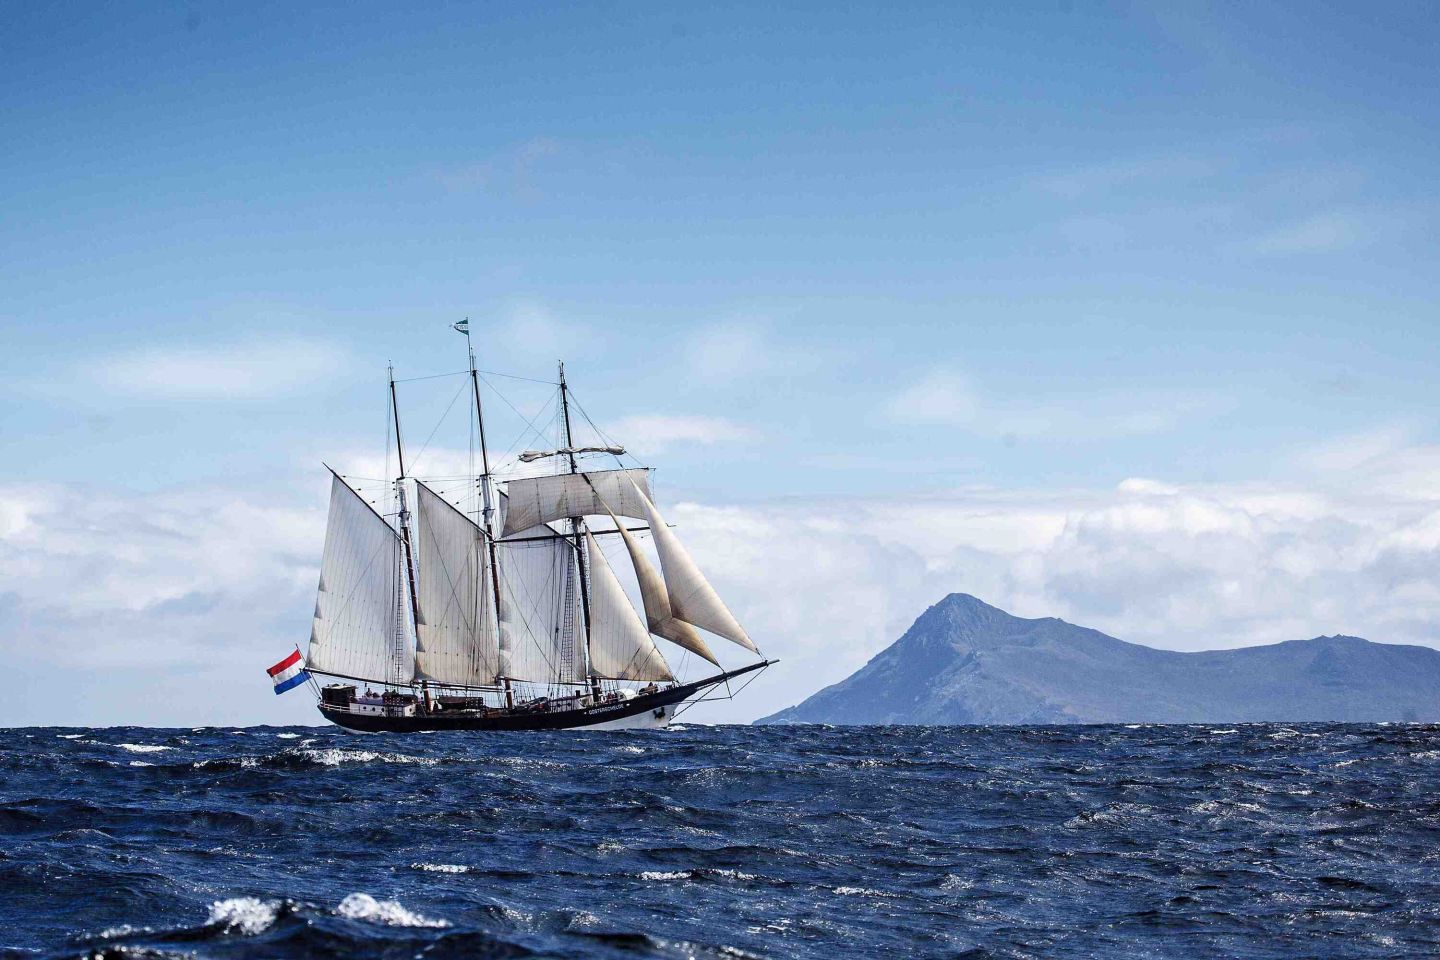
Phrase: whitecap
pixel 858 891
pixel 70 736
pixel 362 906
pixel 142 747
pixel 665 875
pixel 247 915
pixel 334 756
pixel 140 763
pixel 440 867
pixel 124 930
pixel 1219 732
pixel 287 736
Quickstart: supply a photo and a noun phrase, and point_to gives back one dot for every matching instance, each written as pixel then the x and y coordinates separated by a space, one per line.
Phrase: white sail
pixel 658 616
pixel 455 638
pixel 540 617
pixel 536 500
pixel 620 646
pixel 692 599
pixel 356 611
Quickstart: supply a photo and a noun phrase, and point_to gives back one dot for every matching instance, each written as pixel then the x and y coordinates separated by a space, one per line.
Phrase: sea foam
pixel 247 915
pixel 362 906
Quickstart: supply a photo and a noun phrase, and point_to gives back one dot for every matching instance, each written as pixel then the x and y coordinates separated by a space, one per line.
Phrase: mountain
pixel 964 661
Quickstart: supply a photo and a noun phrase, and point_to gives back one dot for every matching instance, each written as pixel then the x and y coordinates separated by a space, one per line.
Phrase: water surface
pixel 1248 841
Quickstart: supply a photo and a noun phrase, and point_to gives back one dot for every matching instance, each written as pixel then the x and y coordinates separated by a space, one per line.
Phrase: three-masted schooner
pixel 509 616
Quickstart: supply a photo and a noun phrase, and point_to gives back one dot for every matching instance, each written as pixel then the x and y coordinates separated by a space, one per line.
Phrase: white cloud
pixel 744 348
pixel 1326 232
pixel 825 585
pixel 944 398
pixel 654 433
pixel 242 370
pixel 509 172
pixel 1108 176
pixel 531 334
pixel 940 397
pixel 184 581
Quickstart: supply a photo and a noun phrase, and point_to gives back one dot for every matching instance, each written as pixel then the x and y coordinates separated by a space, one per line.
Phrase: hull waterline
pixel 644 711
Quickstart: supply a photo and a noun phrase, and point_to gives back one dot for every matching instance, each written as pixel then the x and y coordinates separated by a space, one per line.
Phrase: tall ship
pixel 488 602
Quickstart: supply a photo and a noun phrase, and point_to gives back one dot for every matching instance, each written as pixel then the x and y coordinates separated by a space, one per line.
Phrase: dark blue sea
pixel 1180 841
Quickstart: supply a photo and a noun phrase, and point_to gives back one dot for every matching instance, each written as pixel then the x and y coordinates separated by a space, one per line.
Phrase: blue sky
pixel 996 261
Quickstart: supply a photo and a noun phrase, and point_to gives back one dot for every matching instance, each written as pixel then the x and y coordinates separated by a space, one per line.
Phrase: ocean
pixel 1150 841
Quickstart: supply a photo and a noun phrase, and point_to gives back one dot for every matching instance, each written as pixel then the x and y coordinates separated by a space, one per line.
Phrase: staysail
pixel 455 638
pixel 620 646
pixel 356 609
pixel 658 616
pixel 692 599
pixel 536 500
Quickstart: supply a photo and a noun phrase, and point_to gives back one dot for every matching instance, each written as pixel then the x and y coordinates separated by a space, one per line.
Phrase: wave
pixel 245 915
pixel 362 906
pixel 722 842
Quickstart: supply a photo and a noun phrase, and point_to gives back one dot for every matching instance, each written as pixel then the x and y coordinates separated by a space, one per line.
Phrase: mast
pixel 485 492
pixel 577 524
pixel 404 508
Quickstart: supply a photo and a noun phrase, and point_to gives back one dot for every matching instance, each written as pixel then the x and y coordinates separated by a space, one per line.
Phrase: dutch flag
pixel 288 673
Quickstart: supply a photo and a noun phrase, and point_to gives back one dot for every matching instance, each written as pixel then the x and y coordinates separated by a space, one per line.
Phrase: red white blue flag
pixel 288 673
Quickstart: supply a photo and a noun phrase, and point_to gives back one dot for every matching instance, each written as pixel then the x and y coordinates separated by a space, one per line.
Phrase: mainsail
pixel 455 637
pixel 692 599
pixel 540 614
pixel 620 646
pixel 536 500
pixel 658 616
pixel 357 614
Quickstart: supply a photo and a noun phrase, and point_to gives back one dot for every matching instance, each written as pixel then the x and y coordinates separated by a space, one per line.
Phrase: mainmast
pixel 577 524
pixel 404 511
pixel 485 490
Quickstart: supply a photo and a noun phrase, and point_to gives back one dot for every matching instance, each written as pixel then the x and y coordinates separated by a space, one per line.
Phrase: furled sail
pixel 620 646
pixel 692 599
pixel 540 616
pixel 658 616
pixel 455 638
pixel 536 500
pixel 356 610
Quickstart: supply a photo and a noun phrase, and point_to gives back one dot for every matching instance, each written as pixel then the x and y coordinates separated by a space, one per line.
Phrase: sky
pixel 1121 313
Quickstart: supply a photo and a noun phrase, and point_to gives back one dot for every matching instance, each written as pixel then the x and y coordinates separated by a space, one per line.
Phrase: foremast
pixel 398 653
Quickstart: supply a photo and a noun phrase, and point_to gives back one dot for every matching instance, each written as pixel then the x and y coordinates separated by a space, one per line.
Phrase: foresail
pixel 540 615
pixel 658 616
pixel 536 500
pixel 455 638
pixel 620 646
pixel 356 613
pixel 692 599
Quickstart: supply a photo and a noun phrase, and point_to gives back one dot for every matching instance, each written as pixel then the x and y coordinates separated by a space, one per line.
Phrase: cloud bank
pixel 192 582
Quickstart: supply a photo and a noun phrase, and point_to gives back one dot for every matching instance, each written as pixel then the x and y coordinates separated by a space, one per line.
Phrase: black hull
pixel 528 720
